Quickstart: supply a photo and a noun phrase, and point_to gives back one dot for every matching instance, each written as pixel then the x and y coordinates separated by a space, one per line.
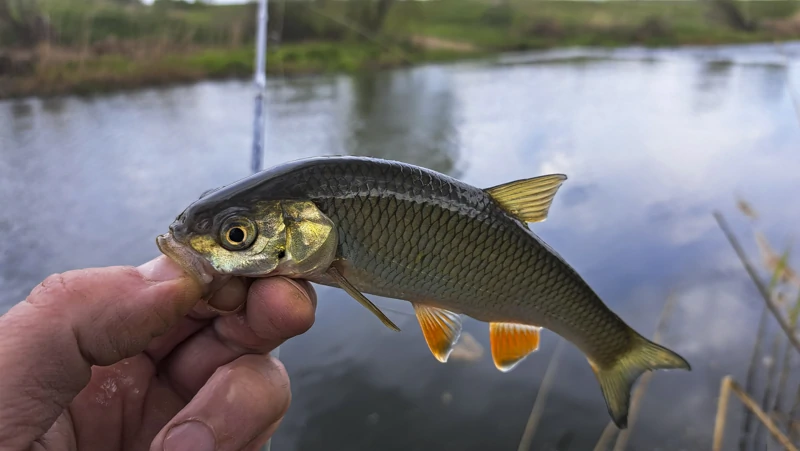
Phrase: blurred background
pixel 116 114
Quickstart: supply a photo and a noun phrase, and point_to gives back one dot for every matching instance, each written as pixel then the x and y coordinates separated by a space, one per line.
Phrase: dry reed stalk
pixel 793 413
pixel 771 374
pixel 751 375
pixel 759 284
pixel 782 272
pixel 722 413
pixel 779 265
pixel 786 367
pixel 796 405
pixel 606 437
pixel 541 399
pixel 727 386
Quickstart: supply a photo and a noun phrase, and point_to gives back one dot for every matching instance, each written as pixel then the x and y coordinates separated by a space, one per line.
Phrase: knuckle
pixel 130 272
pixel 267 371
pixel 54 289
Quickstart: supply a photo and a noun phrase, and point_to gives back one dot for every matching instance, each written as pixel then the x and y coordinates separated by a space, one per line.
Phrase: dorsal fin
pixel 528 200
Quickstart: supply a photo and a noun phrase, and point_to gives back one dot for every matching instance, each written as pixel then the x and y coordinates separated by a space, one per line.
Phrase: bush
pixel 22 22
pixel 501 15
pixel 297 22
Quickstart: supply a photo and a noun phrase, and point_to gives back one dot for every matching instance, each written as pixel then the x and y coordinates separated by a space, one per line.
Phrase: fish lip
pixel 192 263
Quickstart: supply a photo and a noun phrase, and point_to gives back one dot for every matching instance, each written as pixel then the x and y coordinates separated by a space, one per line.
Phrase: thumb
pixel 72 321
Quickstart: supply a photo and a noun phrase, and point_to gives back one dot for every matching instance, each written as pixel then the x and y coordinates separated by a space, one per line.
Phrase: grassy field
pixel 533 24
pixel 61 46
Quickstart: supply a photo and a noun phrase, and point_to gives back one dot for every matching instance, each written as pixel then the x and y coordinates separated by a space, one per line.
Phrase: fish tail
pixel 616 380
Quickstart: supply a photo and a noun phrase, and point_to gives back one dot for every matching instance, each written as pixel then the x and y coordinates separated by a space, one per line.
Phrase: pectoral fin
pixel 530 199
pixel 511 343
pixel 441 329
pixel 353 291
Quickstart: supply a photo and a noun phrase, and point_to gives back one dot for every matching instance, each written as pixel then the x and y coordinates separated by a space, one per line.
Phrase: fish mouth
pixel 192 263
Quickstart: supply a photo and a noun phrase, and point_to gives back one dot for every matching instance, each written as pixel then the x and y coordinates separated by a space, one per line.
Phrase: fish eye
pixel 237 234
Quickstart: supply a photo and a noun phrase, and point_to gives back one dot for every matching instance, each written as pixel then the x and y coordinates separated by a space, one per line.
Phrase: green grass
pixel 518 23
pixel 532 24
pixel 108 46
pixel 116 72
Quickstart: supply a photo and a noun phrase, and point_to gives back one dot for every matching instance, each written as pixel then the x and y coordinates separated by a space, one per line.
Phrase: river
pixel 653 141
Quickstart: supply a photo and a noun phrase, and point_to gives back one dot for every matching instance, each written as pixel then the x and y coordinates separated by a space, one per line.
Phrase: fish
pixel 385 228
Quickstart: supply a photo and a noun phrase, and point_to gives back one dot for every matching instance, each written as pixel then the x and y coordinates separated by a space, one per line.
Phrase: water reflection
pixel 21 116
pixel 713 82
pixel 21 109
pixel 773 80
pixel 54 105
pixel 406 115
pixel 650 150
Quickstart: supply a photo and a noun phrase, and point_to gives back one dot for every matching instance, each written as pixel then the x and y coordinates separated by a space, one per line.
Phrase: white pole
pixel 259 119
pixel 260 80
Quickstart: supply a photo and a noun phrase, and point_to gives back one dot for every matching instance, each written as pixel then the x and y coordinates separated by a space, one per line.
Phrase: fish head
pixel 251 239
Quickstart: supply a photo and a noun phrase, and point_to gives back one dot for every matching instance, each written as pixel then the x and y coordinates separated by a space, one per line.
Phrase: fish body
pixel 413 234
pixel 405 232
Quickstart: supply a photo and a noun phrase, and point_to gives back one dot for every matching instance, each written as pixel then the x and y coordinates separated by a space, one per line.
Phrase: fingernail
pixel 228 299
pixel 190 436
pixel 225 312
pixel 161 269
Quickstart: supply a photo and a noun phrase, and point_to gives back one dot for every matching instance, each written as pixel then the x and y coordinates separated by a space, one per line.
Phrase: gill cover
pixel 310 240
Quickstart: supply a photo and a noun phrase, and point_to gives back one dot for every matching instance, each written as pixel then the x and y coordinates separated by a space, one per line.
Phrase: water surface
pixel 652 142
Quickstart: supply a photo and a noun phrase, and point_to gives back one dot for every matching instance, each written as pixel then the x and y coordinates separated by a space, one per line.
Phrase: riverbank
pixel 72 73
pixel 214 42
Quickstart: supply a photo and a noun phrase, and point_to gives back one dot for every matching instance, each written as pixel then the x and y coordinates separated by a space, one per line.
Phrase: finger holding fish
pixel 229 297
pixel 254 330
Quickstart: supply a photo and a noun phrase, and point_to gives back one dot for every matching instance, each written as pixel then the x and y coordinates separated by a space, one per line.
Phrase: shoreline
pixel 98 75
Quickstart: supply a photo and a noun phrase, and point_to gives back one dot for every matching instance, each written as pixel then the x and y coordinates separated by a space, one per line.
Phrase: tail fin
pixel 617 380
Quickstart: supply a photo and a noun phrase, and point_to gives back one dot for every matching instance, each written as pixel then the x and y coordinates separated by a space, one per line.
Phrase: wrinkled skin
pixel 125 358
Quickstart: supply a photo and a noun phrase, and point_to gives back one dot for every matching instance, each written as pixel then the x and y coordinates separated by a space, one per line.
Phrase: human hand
pixel 124 358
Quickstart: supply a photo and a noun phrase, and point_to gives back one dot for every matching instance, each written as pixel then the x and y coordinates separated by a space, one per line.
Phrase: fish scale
pixel 483 257
pixel 410 233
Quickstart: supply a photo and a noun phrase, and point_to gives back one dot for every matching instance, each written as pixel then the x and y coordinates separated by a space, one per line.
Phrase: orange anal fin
pixel 511 343
pixel 441 329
